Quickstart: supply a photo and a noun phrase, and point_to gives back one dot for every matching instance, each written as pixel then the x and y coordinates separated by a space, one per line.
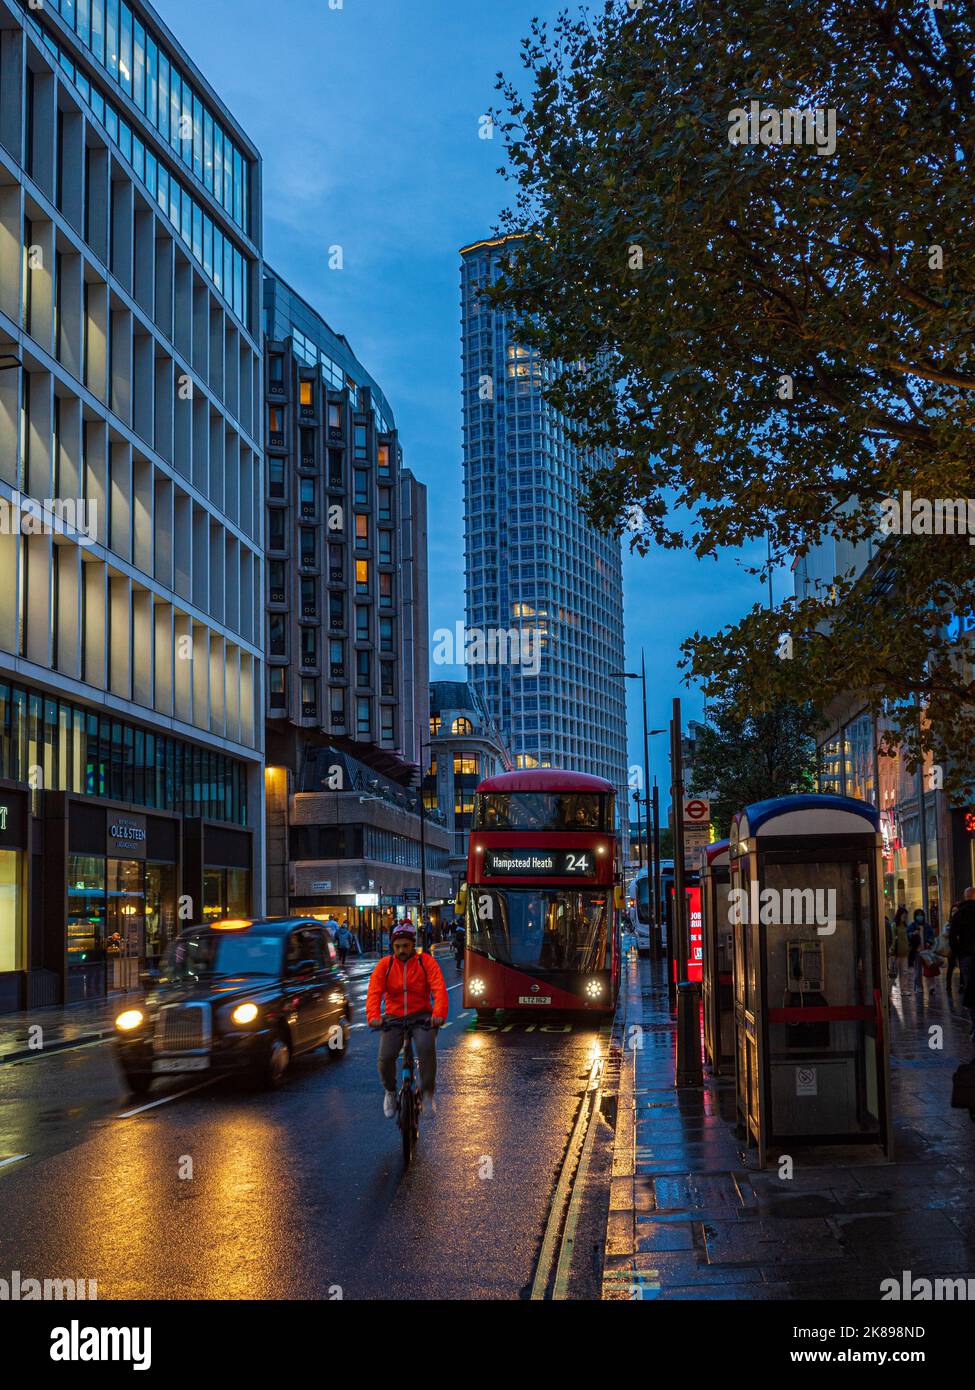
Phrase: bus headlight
pixel 477 986
pixel 595 988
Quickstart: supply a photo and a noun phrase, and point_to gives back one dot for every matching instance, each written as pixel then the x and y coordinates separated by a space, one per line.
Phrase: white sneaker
pixel 389 1104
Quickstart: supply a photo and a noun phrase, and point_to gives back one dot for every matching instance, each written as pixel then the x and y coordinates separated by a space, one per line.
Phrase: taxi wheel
pixel 278 1061
pixel 138 1082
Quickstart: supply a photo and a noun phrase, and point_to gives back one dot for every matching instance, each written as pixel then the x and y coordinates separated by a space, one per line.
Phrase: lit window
pixel 435 724
pixel 462 726
pixel 306 393
pixel 465 765
pixel 362 576
pixel 361 532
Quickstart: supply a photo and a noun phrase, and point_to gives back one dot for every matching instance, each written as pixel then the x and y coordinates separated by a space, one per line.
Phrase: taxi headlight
pixel 129 1020
pixel 244 1013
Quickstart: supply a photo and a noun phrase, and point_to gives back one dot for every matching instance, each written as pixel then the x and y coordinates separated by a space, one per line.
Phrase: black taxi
pixel 237 996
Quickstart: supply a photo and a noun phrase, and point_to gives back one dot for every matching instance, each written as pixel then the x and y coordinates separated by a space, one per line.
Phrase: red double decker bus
pixel 542 905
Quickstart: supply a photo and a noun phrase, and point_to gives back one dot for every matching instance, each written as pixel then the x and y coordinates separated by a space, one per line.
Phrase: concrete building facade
pixel 131 468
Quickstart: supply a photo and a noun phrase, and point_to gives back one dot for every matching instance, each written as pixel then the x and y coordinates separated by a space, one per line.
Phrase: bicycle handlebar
pixel 389 1023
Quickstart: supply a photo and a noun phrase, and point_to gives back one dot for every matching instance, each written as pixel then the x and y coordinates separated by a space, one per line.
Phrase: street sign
pixel 321 885
pixel 697 811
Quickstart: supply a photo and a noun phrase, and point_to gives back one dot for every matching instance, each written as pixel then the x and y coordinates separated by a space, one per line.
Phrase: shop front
pixel 121 887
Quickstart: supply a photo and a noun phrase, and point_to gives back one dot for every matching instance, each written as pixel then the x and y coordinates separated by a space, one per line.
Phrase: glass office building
pixel 131 478
pixel 534 566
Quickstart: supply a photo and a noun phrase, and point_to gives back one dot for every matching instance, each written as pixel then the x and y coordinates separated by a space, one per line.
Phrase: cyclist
pixel 412 989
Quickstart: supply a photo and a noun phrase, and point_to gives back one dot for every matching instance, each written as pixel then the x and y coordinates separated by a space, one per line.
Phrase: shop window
pixel 12 919
pixel 86 915
pixel 465 765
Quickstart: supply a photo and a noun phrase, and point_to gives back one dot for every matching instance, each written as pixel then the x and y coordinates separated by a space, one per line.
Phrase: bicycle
pixel 408 1103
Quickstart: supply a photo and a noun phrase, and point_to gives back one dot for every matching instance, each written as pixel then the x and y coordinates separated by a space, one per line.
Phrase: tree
pixel 773 339
pixel 740 757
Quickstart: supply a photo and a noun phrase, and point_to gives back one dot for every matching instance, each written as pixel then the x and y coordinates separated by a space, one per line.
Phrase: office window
pixel 435 724
pixel 385 504
pixel 385 547
pixel 465 765
pixel 275 369
pixel 307 546
pixel 275 529
pixel 309 696
pixel 336 657
pixel 387 684
pixel 363 673
pixel 309 598
pixel 275 419
pixel 334 416
pixel 306 389
pixel 386 591
pixel 362 576
pixel 361 532
pixel 208 150
pixel 387 733
pixel 111 37
pixel 125 50
pixel 361 442
pixel 336 700
pixel 385 634
pixel 462 726
pixel 383 455
pixel 362 624
pixel 362 721
pixel 309 646
pixel 277 680
pixel 139 66
pixel 361 488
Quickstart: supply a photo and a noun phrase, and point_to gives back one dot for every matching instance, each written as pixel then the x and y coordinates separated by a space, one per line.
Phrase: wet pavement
pixel 214 1190
pixel 692 1218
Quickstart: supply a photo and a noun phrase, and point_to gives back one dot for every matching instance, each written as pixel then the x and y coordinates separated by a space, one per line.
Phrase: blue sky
pixel 367 119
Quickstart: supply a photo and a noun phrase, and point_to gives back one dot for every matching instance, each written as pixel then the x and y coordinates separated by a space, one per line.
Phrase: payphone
pixel 718 959
pixel 810 983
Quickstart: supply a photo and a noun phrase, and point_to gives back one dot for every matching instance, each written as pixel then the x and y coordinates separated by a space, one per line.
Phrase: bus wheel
pixel 485 1015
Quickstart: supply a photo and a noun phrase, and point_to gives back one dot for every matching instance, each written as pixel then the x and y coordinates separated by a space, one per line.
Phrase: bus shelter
pixel 718 958
pixel 810 979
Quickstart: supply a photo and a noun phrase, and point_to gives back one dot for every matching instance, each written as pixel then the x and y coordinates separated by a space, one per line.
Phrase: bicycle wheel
pixel 407 1122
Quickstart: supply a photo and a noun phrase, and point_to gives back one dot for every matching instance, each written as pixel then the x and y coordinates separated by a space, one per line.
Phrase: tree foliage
pixel 741 757
pixel 772 340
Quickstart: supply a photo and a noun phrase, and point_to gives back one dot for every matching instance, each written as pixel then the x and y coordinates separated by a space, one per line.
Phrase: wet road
pixel 220 1191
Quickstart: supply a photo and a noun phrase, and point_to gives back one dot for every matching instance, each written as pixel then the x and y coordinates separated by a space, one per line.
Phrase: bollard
pixel 690 1069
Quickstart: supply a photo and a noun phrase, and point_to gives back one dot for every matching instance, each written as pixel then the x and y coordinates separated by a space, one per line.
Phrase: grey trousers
pixel 425 1047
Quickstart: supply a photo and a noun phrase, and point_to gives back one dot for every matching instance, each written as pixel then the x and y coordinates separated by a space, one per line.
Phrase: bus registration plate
pixel 534 999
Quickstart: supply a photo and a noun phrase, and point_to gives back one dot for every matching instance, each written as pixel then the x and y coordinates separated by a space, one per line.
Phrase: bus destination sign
pixel 526 863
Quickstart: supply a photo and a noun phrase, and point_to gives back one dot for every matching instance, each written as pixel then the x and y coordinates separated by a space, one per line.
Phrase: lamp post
pixel 641 676
pixel 639 843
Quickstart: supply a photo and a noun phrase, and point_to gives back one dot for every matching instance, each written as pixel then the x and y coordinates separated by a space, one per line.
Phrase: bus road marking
pixel 14 1158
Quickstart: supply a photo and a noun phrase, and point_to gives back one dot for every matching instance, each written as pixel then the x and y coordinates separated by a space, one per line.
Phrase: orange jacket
pixel 407 988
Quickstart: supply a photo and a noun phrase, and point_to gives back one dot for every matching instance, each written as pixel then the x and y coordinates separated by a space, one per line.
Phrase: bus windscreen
pixel 546 929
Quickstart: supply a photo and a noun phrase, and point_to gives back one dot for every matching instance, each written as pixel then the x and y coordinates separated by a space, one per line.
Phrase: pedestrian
pixel 961 935
pixel 914 943
pixel 345 941
pixel 331 925
pixel 900 950
pixel 923 927
pixel 951 958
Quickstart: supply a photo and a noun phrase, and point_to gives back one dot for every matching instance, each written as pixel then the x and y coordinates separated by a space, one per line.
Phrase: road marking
pixel 15 1158
pixel 164 1100
pixel 456 986
pixel 564 1212
pixel 45 1052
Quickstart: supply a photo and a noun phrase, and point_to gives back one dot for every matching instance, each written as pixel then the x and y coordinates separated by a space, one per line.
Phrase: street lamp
pixel 641 676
